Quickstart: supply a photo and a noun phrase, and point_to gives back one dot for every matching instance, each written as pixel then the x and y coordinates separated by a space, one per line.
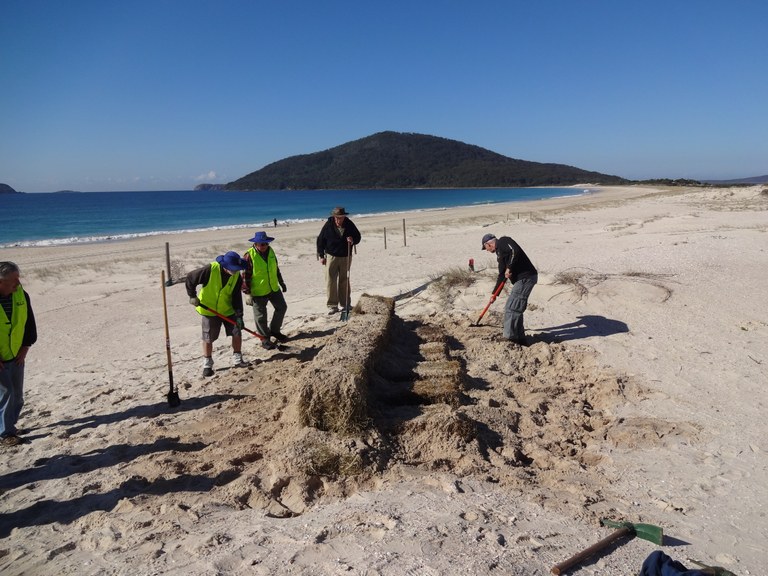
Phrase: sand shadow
pixel 583 327
pixel 139 412
pixel 61 466
pixel 65 512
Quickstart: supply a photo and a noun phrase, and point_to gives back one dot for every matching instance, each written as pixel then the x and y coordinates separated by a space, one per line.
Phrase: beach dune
pixel 406 440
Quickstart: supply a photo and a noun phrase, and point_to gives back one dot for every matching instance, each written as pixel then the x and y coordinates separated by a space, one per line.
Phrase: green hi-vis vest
pixel 264 276
pixel 12 331
pixel 216 296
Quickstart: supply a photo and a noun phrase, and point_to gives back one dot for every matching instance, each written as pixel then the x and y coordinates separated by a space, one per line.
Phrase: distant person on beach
pixel 264 283
pixel 18 331
pixel 334 250
pixel 220 293
pixel 275 222
pixel 515 265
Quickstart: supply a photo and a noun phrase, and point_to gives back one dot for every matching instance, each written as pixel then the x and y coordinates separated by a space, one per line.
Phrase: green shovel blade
pixel 645 531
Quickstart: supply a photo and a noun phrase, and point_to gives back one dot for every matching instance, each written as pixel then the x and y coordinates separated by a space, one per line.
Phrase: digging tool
pixel 345 313
pixel 227 319
pixel 491 301
pixel 645 531
pixel 173 394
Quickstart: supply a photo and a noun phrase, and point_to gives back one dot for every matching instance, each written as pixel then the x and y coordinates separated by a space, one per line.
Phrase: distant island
pixel 5 189
pixel 406 160
pixel 210 187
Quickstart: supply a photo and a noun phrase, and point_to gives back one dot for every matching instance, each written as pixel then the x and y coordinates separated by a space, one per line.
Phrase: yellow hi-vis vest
pixel 216 296
pixel 12 331
pixel 264 276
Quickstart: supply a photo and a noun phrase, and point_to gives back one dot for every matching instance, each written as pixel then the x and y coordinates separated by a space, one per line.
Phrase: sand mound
pixel 384 398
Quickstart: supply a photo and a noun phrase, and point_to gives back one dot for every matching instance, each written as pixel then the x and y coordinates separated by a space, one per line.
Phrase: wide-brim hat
pixel 339 211
pixel 487 238
pixel 231 261
pixel 261 238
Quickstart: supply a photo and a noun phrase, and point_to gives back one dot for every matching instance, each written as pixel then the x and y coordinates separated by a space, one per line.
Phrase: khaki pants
pixel 337 281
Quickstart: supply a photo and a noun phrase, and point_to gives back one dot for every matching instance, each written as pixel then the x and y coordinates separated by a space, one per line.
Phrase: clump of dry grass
pixel 324 461
pixel 453 279
pixel 178 271
pixel 580 280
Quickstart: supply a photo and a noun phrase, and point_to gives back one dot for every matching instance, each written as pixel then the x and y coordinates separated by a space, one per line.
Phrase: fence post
pixel 404 242
pixel 385 237
pixel 168 282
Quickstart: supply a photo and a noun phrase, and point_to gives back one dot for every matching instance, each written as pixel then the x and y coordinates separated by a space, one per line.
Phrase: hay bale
pixel 333 392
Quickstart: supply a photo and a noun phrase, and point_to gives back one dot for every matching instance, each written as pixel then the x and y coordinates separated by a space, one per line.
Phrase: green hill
pixel 405 160
pixel 5 189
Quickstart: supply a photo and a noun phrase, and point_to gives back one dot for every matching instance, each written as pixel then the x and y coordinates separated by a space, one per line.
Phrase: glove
pixel 282 285
pixel 248 300
pixel 240 322
pixel 194 301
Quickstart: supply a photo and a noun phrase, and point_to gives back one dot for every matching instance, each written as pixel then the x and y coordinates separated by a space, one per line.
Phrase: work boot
pixel 279 336
pixel 332 310
pixel 237 360
pixel 207 366
pixel 267 344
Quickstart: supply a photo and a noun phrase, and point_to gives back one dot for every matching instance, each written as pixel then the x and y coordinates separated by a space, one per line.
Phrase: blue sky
pixel 165 94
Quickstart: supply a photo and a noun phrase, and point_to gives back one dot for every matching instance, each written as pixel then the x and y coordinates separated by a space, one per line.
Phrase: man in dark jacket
pixel 221 293
pixel 18 331
pixel 515 265
pixel 334 250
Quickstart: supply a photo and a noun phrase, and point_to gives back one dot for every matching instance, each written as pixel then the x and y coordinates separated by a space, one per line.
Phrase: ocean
pixel 49 219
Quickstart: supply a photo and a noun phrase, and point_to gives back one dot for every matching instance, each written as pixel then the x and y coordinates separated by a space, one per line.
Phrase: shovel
pixel 345 313
pixel 491 301
pixel 173 394
pixel 645 531
pixel 226 319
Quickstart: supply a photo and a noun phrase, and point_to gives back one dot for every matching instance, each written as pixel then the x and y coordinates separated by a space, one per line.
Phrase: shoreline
pixel 74 240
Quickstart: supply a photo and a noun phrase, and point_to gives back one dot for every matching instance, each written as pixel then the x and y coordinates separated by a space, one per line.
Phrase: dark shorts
pixel 212 328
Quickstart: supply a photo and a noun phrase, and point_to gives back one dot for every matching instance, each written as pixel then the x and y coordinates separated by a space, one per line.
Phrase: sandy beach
pixel 641 398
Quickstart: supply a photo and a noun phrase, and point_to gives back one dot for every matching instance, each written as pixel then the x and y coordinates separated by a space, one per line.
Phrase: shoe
pixel 207 367
pixel 522 343
pixel 237 360
pixel 332 310
pixel 11 440
pixel 268 345
pixel 280 337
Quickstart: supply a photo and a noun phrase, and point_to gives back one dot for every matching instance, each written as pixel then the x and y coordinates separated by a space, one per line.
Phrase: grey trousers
pixel 517 302
pixel 260 313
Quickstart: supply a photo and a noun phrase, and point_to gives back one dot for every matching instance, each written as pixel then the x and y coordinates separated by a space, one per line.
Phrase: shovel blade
pixel 344 315
pixel 173 399
pixel 645 531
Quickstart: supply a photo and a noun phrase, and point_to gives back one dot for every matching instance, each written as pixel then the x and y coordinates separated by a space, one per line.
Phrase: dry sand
pixel 407 442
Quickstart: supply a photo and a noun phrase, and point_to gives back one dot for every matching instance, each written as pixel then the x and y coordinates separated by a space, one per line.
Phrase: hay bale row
pixel 334 386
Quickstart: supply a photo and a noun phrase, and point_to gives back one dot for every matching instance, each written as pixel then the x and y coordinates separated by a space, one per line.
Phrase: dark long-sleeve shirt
pixel 511 257
pixel 329 241
pixel 202 275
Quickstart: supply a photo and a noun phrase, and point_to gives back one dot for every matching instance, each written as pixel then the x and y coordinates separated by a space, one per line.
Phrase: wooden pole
pixel 385 237
pixel 404 242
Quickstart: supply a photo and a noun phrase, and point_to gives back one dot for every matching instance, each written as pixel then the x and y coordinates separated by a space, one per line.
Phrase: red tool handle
pixel 259 336
pixel 583 555
pixel 496 293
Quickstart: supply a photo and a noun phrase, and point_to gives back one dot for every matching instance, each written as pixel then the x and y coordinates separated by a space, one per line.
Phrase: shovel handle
pixel 496 293
pixel 226 319
pixel 584 554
